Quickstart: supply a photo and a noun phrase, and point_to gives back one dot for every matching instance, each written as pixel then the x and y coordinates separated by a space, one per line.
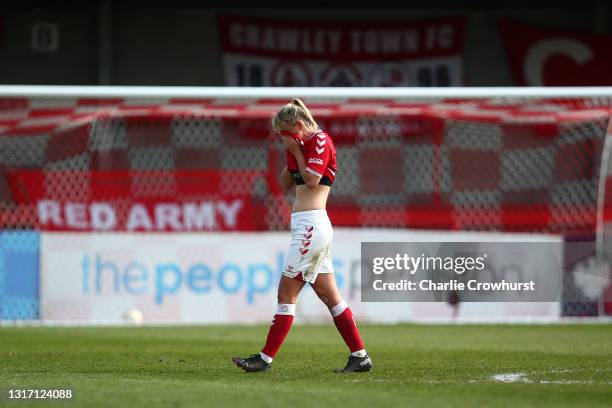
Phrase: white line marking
pixel 522 378
pixel 510 377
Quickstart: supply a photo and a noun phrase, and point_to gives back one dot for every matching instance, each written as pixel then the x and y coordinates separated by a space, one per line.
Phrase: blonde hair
pixel 289 114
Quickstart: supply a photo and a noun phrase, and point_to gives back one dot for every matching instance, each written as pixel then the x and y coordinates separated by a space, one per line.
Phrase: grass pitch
pixel 438 366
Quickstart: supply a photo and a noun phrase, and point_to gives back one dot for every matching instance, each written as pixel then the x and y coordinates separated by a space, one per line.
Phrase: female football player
pixel 311 167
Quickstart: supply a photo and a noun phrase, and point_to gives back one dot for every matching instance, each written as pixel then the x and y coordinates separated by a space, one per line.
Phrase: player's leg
pixel 326 289
pixel 288 291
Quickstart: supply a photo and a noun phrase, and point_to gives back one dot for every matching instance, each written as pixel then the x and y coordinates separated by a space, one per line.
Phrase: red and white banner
pixel 140 168
pixel 543 57
pixel 262 52
pixel 135 201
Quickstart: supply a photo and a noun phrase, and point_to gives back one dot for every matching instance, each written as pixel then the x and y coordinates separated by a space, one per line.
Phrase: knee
pixel 286 297
pixel 325 297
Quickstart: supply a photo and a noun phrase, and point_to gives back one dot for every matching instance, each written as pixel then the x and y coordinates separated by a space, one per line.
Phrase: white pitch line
pixel 510 377
pixel 572 370
pixel 507 378
pixel 523 378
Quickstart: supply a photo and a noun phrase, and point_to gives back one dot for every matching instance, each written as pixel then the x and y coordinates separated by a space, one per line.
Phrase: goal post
pixel 163 160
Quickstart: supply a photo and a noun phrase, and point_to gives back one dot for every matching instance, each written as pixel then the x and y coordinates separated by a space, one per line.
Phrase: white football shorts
pixel 310 249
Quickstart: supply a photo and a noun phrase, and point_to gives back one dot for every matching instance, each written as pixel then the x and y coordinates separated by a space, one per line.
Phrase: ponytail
pixel 291 113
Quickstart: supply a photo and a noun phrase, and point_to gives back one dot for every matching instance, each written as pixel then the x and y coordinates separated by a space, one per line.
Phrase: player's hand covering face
pixel 292 143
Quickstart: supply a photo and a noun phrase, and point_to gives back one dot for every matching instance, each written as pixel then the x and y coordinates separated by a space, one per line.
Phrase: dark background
pixel 138 42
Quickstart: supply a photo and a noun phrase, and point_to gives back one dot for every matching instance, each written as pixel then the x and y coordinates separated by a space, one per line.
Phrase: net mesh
pixel 161 164
pixel 498 164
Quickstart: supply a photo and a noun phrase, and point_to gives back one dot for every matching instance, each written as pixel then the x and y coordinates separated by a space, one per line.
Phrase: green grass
pixel 437 366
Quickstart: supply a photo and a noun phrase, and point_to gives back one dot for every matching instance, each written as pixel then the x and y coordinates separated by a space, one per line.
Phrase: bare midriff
pixel 310 198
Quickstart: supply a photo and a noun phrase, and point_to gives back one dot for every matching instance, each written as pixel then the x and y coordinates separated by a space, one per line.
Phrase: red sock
pixel 279 329
pixel 345 323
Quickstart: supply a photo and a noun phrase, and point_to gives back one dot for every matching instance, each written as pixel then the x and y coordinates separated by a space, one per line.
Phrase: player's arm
pixel 286 180
pixel 310 179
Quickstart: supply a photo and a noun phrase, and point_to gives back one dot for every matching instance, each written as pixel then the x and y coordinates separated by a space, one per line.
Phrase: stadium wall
pixel 179 45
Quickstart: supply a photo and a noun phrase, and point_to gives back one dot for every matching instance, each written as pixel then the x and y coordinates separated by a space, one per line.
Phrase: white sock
pixel 338 309
pixel 266 358
pixel 285 309
pixel 359 353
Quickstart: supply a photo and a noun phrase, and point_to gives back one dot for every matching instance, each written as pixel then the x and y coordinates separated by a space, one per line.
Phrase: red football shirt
pixel 320 155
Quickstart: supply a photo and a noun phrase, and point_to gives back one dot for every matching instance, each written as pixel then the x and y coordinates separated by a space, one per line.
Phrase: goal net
pixel 163 160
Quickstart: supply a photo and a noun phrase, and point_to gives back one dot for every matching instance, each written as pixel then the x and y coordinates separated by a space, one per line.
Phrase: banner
pixel 543 57
pixel 222 277
pixel 418 167
pixel 263 52
pixel 137 201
